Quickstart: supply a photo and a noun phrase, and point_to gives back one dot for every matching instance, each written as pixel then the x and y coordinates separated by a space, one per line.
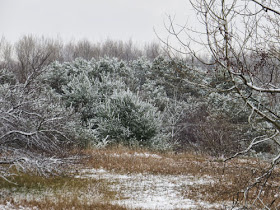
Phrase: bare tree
pixel 6 53
pixel 242 38
pixel 153 50
pixel 33 54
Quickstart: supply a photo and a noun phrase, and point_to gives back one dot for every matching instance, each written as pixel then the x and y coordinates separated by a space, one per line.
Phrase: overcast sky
pixel 95 20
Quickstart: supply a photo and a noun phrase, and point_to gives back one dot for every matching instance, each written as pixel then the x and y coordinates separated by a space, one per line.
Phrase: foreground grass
pixel 66 192
pixel 60 192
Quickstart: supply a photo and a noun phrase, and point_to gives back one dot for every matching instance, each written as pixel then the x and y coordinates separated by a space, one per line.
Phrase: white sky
pixel 95 20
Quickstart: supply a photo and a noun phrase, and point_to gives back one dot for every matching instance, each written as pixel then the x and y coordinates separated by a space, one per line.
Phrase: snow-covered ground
pixel 149 191
pixel 136 154
pixel 9 206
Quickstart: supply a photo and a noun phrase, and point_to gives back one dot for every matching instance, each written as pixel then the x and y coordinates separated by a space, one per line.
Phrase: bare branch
pixel 266 8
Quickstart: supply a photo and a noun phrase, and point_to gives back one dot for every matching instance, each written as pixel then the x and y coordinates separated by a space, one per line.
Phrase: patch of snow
pixel 150 191
pixel 246 161
pixel 147 155
pixel 136 154
pixel 100 174
pixel 9 206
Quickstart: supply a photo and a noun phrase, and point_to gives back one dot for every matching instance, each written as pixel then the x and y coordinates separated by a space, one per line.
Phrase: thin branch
pixel 266 8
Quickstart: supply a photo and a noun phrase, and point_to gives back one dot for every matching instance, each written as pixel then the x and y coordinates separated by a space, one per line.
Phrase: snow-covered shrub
pixel 7 77
pixel 125 118
pixel 99 91
pixel 176 77
pixel 140 69
pixel 33 118
pixel 34 126
pixel 85 94
pixel 59 74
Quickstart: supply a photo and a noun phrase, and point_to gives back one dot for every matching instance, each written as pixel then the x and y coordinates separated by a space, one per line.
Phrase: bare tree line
pixel 30 53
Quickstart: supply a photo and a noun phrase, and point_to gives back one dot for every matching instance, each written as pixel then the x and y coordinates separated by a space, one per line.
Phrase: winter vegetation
pixel 102 117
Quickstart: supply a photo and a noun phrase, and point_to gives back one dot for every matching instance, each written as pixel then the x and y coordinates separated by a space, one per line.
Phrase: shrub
pixel 35 129
pixel 125 119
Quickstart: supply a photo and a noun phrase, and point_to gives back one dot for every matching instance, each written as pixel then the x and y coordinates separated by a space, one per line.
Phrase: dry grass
pixel 65 204
pixel 122 160
pixel 229 180
pixel 57 193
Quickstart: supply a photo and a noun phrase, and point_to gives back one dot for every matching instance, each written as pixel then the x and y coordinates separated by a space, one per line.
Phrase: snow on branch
pixel 254 142
pixel 266 90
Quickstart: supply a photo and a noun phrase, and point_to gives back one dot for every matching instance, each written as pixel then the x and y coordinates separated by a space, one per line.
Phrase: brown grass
pixel 123 160
pixel 65 204
pixel 59 192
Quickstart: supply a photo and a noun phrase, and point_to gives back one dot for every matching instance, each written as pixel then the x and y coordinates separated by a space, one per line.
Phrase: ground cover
pixel 121 178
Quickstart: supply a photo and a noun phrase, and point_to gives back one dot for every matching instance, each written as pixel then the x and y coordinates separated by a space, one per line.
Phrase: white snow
pixel 150 191
pixel 9 206
pixel 136 154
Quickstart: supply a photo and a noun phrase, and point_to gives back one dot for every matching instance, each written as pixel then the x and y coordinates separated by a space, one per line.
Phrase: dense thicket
pixel 53 94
